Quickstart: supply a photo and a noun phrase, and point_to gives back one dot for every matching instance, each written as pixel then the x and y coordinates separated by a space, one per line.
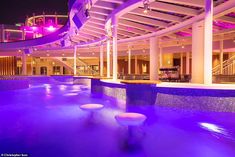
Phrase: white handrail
pixel 228 67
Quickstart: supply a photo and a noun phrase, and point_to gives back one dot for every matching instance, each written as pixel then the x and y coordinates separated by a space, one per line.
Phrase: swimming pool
pixel 45 121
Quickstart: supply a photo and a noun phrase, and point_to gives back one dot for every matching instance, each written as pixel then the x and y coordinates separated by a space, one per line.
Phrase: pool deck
pixel 172 84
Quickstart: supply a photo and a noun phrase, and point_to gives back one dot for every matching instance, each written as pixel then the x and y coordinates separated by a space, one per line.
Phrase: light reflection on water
pixel 50 117
pixel 212 128
pixel 62 87
pixel 216 130
pixel 70 94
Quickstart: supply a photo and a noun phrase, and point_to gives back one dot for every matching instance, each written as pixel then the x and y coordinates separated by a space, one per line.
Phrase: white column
pixel 221 56
pixel 208 41
pixel 101 59
pixel 75 61
pixel 160 56
pixel 181 63
pixel 136 65
pixel 24 65
pixel 197 53
pixel 187 62
pixel 114 24
pixel 202 47
pixel 154 52
pixel 129 61
pixel 108 58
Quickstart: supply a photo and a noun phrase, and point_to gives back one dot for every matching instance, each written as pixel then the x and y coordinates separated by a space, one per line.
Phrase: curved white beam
pixel 144 20
pixel 157 15
pixel 174 8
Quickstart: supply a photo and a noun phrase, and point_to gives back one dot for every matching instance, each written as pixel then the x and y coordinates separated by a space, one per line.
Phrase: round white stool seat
pixel 91 107
pixel 130 119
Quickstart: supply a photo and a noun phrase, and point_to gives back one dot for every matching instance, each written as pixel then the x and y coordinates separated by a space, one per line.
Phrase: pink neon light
pixel 51 28
pixel 34 28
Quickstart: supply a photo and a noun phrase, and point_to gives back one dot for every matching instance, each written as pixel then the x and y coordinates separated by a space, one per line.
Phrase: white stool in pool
pixel 91 108
pixel 131 120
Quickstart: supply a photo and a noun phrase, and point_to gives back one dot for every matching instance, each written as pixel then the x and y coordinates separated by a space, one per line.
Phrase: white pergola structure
pixel 167 21
pixel 168 25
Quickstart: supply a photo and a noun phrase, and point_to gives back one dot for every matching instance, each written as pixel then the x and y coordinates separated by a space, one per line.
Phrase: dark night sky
pixel 15 11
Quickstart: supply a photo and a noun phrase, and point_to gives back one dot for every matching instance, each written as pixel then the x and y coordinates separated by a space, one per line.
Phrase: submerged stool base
pixel 132 121
pixel 92 108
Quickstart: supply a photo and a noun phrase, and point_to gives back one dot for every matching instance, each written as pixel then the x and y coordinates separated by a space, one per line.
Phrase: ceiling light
pixel 146 6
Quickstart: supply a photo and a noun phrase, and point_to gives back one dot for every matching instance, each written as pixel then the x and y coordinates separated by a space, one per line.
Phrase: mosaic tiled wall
pixel 118 93
pixel 184 98
pixel 39 79
pixel 83 81
pixel 101 89
pixel 201 103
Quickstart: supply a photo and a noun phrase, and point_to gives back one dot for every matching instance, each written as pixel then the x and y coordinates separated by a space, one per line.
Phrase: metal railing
pixel 228 67
pixel 86 70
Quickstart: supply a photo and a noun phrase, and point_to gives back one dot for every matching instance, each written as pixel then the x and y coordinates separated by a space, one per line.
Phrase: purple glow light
pixel 224 25
pixel 34 28
pixel 51 28
pixel 184 34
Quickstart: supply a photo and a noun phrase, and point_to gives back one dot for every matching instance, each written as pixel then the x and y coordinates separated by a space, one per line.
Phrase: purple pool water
pixel 46 121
